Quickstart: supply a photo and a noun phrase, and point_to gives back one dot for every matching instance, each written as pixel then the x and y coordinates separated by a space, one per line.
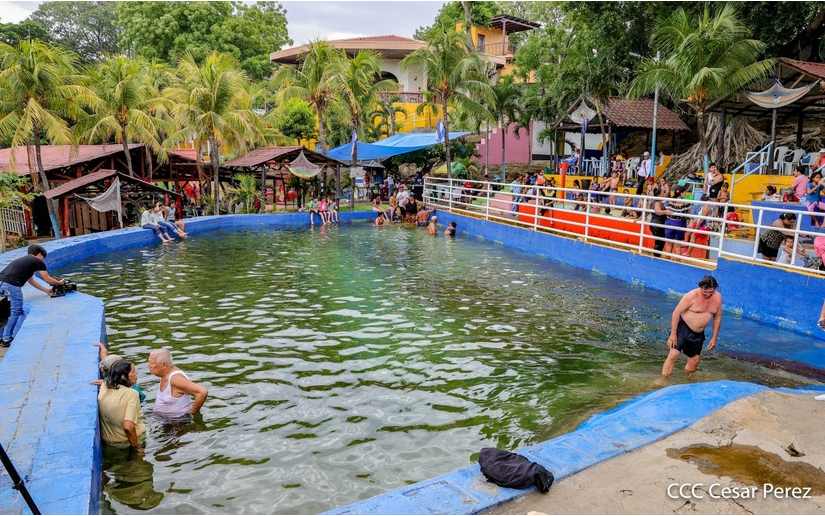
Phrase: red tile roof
pixel 389 46
pixel 58 156
pixel 816 70
pixel 638 113
pixel 76 184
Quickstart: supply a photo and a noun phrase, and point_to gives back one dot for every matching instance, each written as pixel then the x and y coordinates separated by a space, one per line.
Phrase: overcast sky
pixel 311 20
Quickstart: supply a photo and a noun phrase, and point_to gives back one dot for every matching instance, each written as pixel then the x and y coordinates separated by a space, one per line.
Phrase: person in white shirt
pixel 645 171
pixel 148 220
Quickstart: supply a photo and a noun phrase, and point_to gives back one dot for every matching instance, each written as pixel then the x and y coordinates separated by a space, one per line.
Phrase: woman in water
pixel 432 228
pixel 121 420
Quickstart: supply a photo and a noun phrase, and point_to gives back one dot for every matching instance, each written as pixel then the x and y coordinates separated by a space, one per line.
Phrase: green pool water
pixel 345 362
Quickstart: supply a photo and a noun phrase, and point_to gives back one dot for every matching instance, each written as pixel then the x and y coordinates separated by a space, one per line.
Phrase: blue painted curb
pixel 628 426
pixel 48 410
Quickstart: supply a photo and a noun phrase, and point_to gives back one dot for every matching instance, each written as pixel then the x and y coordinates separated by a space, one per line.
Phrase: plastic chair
pixel 780 157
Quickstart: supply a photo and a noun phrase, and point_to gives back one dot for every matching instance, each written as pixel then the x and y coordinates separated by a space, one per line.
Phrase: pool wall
pixel 48 409
pixel 789 300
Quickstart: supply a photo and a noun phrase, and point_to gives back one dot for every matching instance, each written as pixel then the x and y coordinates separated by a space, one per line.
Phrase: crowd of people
pixel 405 207
pixel 325 207
pixel 120 397
pixel 164 220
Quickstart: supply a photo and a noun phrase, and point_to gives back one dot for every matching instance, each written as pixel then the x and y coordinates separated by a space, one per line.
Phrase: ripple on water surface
pixel 347 362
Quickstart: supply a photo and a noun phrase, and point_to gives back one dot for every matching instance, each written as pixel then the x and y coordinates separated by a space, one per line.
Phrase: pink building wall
pixel 517 147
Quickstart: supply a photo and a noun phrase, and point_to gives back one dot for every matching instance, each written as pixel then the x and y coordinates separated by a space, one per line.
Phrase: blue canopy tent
pixel 395 145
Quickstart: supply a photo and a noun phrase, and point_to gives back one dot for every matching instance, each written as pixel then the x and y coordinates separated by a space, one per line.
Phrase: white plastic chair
pixel 780 156
pixel 796 159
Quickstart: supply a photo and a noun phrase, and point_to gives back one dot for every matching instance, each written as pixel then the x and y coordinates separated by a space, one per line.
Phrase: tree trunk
pixel 214 159
pixel 199 166
pixel 151 166
pixel 322 137
pixel 468 24
pixel 503 167
pixel 126 150
pixel 352 166
pixel 604 140
pixel 703 144
pixel 447 138
pixel 51 204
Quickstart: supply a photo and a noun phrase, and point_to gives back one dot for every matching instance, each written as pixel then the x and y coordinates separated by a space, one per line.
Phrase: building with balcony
pixel 391 51
pixel 493 40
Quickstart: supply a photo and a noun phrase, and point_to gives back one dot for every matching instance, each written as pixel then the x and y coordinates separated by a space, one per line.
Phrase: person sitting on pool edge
pixel 332 209
pixel 177 395
pixel 422 217
pixel 147 221
pixel 432 227
pixel 450 231
pixel 688 322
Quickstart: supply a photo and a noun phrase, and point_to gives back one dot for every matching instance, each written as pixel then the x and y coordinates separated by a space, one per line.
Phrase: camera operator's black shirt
pixel 21 270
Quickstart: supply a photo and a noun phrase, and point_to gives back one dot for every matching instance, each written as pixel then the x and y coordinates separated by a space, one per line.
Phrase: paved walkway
pixel 49 410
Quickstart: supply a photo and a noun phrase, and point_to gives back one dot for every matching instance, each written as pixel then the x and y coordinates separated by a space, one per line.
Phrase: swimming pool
pixel 345 362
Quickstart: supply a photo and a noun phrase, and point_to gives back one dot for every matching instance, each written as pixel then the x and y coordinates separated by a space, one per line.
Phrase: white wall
pixel 591 141
pixel 410 79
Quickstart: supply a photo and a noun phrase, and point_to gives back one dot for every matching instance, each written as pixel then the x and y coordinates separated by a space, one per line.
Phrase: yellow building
pixel 391 50
pixel 493 40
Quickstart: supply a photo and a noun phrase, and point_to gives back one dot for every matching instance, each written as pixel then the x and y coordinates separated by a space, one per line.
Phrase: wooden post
pixel 720 140
pixel 65 222
pixel 799 122
pixel 771 161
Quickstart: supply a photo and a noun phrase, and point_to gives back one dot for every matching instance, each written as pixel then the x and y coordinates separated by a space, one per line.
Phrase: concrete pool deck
pixel 49 411
pixel 637 482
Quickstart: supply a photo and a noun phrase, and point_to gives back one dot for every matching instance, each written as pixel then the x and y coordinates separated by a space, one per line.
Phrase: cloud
pixel 15 12
pixel 338 20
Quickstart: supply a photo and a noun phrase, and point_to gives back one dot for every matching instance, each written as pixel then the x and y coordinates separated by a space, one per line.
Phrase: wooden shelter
pixel 272 163
pixel 78 218
pixel 791 74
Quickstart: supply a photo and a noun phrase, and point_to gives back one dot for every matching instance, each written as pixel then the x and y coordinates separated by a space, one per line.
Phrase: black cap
pixel 708 282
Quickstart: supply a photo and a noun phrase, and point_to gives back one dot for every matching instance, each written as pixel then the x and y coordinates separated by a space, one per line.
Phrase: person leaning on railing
pixel 676 220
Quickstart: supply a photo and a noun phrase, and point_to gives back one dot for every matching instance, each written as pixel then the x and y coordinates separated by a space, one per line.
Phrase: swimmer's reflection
pixel 128 478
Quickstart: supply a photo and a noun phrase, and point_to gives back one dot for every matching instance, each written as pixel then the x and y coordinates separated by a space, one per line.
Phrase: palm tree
pixel 127 108
pixel 705 58
pixel 313 80
pixel 12 195
pixel 39 91
pixel 212 106
pixel 356 79
pixel 503 107
pixel 383 115
pixel 455 76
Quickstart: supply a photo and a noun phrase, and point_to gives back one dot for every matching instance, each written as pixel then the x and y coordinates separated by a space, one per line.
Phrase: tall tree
pixel 504 107
pixel 86 28
pixel 126 110
pixel 359 89
pixel 295 119
pixel 455 76
pixel 168 30
pixel 39 91
pixel 704 57
pixel 213 107
pixel 13 33
pixel 313 80
pixel 384 114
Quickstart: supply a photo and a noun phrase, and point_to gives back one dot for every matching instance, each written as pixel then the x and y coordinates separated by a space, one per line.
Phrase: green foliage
pixel 87 28
pixel 785 27
pixel 13 190
pixel 244 193
pixel 704 57
pixel 315 80
pixel 13 33
pixel 126 112
pixel 481 13
pixel 295 119
pixel 168 30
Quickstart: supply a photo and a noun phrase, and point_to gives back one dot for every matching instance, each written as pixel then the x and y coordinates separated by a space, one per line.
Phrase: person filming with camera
pixel 12 279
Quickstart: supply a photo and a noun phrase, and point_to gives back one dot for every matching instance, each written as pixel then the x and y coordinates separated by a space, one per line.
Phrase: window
pixel 480 44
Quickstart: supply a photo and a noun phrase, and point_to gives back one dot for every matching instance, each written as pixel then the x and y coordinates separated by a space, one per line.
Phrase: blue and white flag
pixel 354 136
pixel 439 131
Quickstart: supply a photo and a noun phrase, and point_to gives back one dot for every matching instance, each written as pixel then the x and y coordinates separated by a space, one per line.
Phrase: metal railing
pixel 13 220
pixel 642 224
pixel 403 96
pixel 496 49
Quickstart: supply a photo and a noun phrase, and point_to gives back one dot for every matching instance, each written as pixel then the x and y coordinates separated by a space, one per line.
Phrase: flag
pixel 354 136
pixel 439 131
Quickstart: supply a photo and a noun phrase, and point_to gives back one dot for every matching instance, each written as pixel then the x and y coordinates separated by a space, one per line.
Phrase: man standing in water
pixel 177 395
pixel 687 325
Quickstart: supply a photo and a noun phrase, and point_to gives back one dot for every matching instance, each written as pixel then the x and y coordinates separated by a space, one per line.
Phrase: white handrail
pixel 593 215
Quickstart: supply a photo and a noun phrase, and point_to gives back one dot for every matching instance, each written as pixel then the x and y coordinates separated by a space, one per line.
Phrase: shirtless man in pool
pixel 688 322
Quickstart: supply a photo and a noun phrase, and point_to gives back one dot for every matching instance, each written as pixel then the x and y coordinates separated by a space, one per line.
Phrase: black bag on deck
pixel 512 470
pixel 5 310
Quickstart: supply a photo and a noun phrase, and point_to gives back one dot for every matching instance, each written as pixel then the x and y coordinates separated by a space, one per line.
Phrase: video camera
pixel 65 288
